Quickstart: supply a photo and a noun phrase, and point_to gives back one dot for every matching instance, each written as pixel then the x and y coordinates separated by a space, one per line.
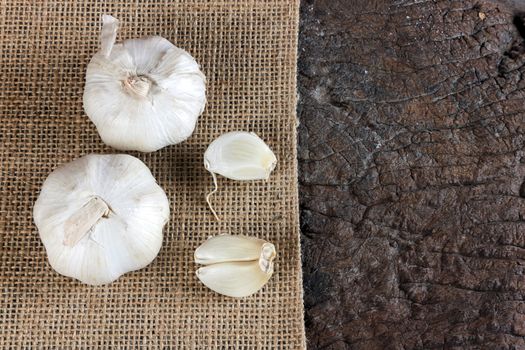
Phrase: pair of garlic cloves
pixel 235 265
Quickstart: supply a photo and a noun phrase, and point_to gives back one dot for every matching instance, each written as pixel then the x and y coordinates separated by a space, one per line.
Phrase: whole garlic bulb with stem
pixel 238 155
pixel 236 265
pixel 101 216
pixel 142 94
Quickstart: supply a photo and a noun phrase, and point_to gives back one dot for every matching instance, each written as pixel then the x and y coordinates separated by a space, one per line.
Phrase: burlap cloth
pixel 247 49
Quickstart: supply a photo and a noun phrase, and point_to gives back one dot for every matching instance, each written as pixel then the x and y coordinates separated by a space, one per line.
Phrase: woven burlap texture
pixel 247 50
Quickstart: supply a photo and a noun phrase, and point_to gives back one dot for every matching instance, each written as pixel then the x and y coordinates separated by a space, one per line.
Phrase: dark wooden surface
pixel 412 169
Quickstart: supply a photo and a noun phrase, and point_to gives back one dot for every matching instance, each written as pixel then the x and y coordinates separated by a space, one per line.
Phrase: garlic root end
pixel 208 196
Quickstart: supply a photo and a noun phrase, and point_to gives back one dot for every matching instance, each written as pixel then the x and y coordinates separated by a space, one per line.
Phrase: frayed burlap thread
pixel 247 49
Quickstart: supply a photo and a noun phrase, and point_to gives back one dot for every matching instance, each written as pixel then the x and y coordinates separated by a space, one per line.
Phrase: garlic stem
pixel 108 35
pixel 138 85
pixel 208 196
pixel 81 222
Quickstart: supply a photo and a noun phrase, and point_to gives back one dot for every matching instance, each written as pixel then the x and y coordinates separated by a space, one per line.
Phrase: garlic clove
pixel 236 266
pixel 142 94
pixel 101 216
pixel 234 279
pixel 224 248
pixel 240 155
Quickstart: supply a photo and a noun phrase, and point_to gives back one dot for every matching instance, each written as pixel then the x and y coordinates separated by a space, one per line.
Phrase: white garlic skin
pixel 240 155
pixel 236 266
pixel 128 238
pixel 142 94
pixel 225 248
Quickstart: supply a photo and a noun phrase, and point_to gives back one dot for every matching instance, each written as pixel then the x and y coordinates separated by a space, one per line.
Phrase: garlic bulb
pixel 101 216
pixel 236 266
pixel 142 94
pixel 238 155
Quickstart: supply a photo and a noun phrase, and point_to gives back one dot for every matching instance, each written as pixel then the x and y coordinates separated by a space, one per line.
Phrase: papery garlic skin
pixel 225 248
pixel 236 266
pixel 233 279
pixel 240 155
pixel 142 94
pixel 114 197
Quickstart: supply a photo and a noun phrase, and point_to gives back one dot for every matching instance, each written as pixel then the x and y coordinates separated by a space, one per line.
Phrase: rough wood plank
pixel 412 168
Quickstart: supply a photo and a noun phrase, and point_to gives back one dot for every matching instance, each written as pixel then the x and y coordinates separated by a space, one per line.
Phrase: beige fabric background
pixel 247 49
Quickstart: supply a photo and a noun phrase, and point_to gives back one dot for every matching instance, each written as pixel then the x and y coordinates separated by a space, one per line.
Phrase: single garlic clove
pixel 224 248
pixel 142 94
pixel 236 266
pixel 234 279
pixel 101 216
pixel 240 155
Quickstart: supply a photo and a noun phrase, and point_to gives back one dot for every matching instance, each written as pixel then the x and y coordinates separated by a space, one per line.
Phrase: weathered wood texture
pixel 412 169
